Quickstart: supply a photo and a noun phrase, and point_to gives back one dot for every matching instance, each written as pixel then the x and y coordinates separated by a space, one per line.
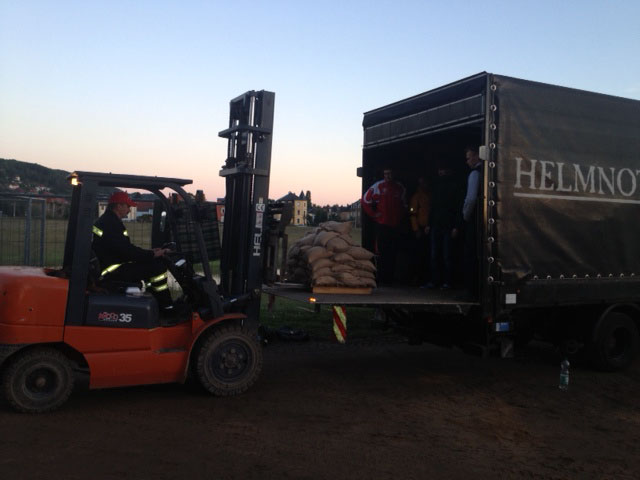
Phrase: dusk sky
pixel 143 87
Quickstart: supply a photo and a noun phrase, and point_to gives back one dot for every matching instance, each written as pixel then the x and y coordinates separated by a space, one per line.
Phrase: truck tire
pixel 37 381
pixel 229 360
pixel 616 342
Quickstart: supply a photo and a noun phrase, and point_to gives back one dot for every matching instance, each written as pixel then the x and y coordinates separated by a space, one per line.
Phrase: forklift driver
pixel 122 261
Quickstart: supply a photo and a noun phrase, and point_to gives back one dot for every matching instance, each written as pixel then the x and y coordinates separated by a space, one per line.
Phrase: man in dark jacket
pixel 120 260
pixel 443 226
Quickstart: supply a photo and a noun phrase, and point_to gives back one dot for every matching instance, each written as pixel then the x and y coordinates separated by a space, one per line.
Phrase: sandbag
pixel 294 251
pixel 363 274
pixel 365 265
pixel 342 257
pixel 292 263
pixel 360 253
pixel 321 263
pixel 338 245
pixel 349 240
pixel 315 253
pixel 349 280
pixel 340 227
pixel 325 282
pixel 341 267
pixel 322 238
pixel 368 282
pixel 322 272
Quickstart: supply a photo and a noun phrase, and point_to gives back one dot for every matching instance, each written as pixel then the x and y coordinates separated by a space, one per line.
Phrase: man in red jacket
pixel 385 202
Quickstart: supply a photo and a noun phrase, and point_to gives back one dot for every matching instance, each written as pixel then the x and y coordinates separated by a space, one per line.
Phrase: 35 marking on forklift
pixel 115 317
pixel 340 323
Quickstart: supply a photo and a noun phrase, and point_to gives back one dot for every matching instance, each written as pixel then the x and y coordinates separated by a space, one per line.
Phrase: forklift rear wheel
pixel 229 360
pixel 616 342
pixel 38 381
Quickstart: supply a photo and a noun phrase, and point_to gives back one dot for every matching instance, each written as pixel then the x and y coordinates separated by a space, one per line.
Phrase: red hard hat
pixel 121 197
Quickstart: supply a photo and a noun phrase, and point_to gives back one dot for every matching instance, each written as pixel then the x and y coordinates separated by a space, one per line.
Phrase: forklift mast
pixel 246 171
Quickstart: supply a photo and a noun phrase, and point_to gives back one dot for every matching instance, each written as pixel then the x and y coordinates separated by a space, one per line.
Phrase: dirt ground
pixel 374 409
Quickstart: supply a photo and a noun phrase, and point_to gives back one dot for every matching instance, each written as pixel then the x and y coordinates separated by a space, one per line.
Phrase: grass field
pixel 319 325
pixel 48 247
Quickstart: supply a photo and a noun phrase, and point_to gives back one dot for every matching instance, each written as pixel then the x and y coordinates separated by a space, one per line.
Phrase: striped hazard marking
pixel 340 323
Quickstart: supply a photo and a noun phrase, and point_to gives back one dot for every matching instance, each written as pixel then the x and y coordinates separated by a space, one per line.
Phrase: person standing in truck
pixel 121 260
pixel 419 209
pixel 469 216
pixel 385 202
pixel 443 226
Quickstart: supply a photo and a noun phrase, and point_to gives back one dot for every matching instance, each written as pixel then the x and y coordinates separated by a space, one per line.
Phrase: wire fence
pixel 33 229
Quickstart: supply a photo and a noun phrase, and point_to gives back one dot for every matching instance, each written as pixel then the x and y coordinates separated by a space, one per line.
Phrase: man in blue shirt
pixel 469 216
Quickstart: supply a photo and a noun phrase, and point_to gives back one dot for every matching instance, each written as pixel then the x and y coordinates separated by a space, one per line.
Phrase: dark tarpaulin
pixel 566 223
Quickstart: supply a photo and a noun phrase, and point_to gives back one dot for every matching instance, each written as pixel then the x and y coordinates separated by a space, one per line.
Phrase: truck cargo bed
pixel 414 298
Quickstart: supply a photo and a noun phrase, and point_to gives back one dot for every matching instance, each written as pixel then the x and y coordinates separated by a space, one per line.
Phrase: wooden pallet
pixel 347 290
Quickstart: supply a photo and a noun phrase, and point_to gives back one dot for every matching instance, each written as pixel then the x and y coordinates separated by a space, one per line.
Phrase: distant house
pixel 144 203
pixel 15 184
pixel 56 207
pixel 356 210
pixel 344 216
pixel 299 216
pixel 144 208
pixel 220 212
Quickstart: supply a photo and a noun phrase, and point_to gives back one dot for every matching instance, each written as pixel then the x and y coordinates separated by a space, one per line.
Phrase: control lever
pixel 170 246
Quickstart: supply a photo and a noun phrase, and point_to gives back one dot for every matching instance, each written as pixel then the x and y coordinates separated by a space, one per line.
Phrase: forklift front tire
pixel 38 380
pixel 229 360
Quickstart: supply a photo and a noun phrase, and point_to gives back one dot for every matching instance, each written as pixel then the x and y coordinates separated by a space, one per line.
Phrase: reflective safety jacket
pixel 112 244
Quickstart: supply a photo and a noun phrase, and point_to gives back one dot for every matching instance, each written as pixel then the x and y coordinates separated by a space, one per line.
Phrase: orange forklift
pixel 60 328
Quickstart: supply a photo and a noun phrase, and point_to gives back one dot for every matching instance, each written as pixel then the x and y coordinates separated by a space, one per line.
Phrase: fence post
pixel 42 230
pixel 27 235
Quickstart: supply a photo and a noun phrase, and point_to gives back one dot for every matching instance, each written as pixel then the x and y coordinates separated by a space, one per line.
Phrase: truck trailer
pixel 558 242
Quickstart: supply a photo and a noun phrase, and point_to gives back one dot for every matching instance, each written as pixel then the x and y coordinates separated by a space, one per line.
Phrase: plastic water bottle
pixel 564 375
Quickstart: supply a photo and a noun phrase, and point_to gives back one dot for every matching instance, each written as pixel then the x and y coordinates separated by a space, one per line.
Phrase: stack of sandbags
pixel 328 257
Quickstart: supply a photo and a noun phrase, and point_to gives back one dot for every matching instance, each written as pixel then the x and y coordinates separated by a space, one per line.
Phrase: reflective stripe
pixel 99 232
pixel 110 269
pixel 161 287
pixel 158 278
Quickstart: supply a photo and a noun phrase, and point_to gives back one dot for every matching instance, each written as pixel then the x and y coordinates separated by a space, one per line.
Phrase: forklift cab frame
pixel 77 253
